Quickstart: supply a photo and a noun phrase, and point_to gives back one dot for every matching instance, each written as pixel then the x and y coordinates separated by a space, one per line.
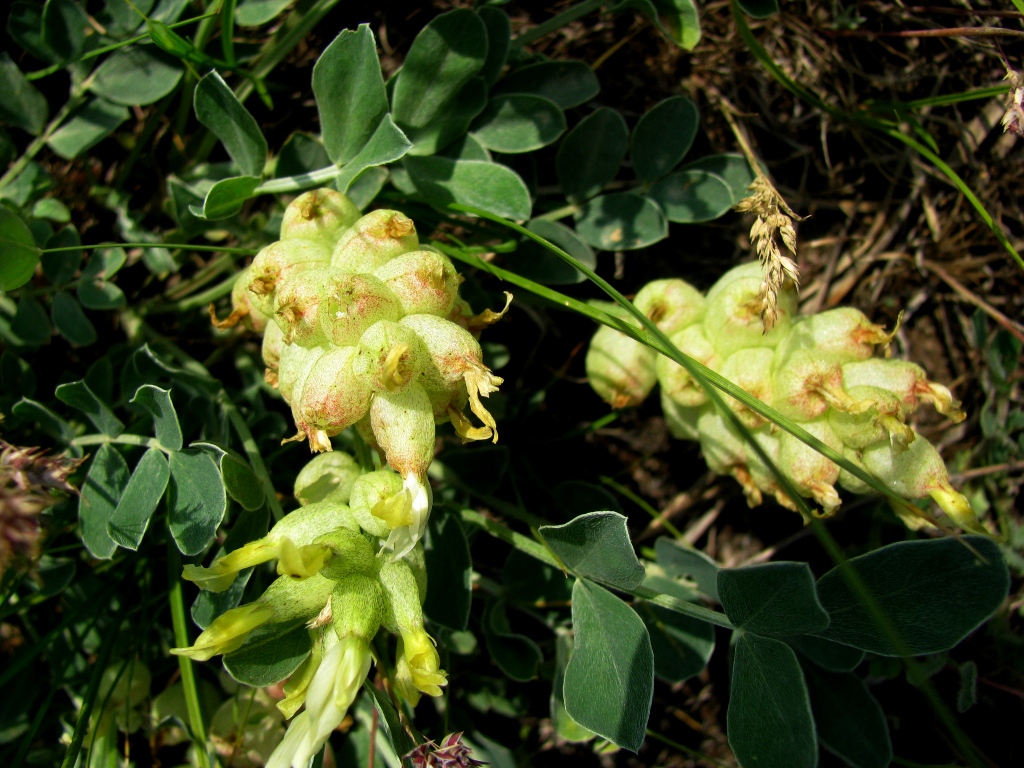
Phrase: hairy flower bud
pixel 724 451
pixel 813 475
pixel 424 282
pixel 671 304
pixel 242 309
pixel 374 240
pixel 403 423
pixel 334 396
pixel 680 419
pixel 884 420
pixel 327 477
pixel 320 215
pixel 297 303
pixel 352 555
pixel 620 369
pixel 843 332
pixel 806 384
pixel 732 319
pixel 378 502
pixel 352 304
pixel 295 365
pixel 751 370
pixel 907 380
pixel 675 381
pixel 276 260
pixel 453 373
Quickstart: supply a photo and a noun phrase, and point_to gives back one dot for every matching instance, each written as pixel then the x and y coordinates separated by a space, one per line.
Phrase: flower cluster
pixel 331 579
pixel 363 326
pixel 820 371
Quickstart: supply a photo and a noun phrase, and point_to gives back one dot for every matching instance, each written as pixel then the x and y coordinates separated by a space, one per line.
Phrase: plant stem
pixel 948 32
pixel 126 439
pixel 40 141
pixel 192 303
pixel 253 453
pixel 555 22
pixel 298 183
pixel 175 246
pixel 188 678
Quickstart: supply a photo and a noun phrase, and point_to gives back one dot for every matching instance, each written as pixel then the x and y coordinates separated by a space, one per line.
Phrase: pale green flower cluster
pixel 819 371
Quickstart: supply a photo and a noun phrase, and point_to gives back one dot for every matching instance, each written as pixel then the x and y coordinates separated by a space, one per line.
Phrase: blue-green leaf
pixel 609 681
pixel 567 83
pixel 219 110
pixel 826 654
pixel 490 186
pixel 226 197
pixel 349 91
pixel 772 599
pixel 682 561
pixel 499 39
pixel 591 153
pixel 89 125
pixel 692 196
pixel 519 122
pixel 850 722
pixel 769 723
pixel 78 395
pixel 621 221
pixel 386 145
pixel 196 500
pixel 534 261
pixel 301 153
pixel 682 645
pixel 932 594
pixel 663 136
pixel 136 74
pixel 269 655
pixel 48 421
pixel 597 546
pixel 565 726
pixel 253 13
pixel 733 169
pixel 431 103
pixel 31 323
pixel 70 320
pixel 515 654
pixel 134 509
pixel 101 491
pixel 678 20
pixel 157 403
pixel 64 25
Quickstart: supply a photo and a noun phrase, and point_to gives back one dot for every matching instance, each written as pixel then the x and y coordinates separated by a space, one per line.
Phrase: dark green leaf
pixel 219 110
pixel 48 421
pixel 25 25
pixel 849 721
pixel 444 59
pixel 17 379
pixel 96 120
pixel 528 582
pixel 759 9
pixel 269 655
pixel 663 136
pixel 21 103
pixel 769 722
pixel 576 497
pixel 479 469
pixel 226 197
pixel 692 196
pixel 597 546
pixel 64 25
pixel 209 605
pixel 30 323
pixel 61 266
pixel 826 654
pixel 499 38
pixel 686 562
pixel 55 574
pixel 157 403
pixel 196 500
pixel 386 145
pixel 621 221
pixel 519 122
pixel 609 682
pixel 349 92
pixel 18 249
pixel 136 75
pixel 733 169
pixel 101 492
pixel 772 599
pixel 682 645
pixel 99 294
pixel 100 378
pixel 78 395
pixel 241 483
pixel 591 153
pixel 449 570
pixel 490 186
pixel 393 727
pixel 301 153
pixel 253 13
pixel 678 20
pixel 467 148
pixel 534 261
pixel 515 654
pixel 932 594
pixel 146 487
pixel 567 83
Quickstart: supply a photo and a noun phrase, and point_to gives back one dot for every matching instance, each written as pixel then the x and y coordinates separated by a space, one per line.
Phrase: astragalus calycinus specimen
pixel 820 371
pixel 363 327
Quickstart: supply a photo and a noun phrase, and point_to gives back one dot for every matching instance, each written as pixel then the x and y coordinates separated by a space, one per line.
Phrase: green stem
pixel 192 303
pixel 298 183
pixel 556 22
pixel 188 678
pixel 252 451
pixel 97 439
pixel 640 502
pixel 40 141
pixel 174 246
pixel 89 700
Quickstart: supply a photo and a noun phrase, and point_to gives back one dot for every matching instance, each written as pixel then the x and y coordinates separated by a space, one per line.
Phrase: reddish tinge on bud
pixel 675 381
pixel 274 261
pixel 374 240
pixel 333 397
pixel 352 304
pixel 297 305
pixel 273 346
pixel 403 423
pixel 391 356
pixel 908 381
pixel 424 282
pixel 620 369
pixel 242 309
